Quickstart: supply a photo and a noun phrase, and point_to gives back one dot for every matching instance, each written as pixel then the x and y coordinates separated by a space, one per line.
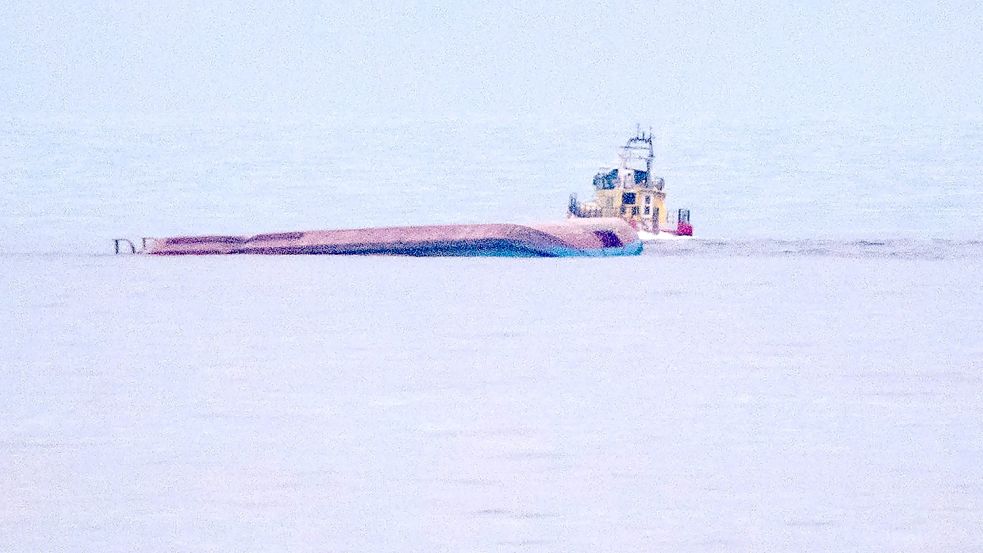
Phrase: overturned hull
pixel 575 238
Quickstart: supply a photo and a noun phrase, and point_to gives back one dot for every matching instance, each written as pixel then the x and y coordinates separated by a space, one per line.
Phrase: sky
pixel 520 59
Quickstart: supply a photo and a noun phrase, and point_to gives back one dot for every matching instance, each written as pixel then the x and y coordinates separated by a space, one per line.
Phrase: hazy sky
pixel 526 58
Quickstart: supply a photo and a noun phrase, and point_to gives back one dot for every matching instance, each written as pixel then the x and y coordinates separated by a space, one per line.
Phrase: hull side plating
pixel 596 238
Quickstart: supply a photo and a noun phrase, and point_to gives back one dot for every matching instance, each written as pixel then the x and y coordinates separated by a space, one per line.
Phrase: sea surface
pixel 805 375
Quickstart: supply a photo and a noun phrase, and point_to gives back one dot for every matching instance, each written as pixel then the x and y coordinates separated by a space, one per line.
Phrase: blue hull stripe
pixel 480 248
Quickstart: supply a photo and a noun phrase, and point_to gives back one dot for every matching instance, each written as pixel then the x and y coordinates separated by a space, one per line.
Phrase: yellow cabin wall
pixel 659 201
pixel 613 209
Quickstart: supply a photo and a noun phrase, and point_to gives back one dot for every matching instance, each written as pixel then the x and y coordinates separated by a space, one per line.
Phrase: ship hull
pixel 597 238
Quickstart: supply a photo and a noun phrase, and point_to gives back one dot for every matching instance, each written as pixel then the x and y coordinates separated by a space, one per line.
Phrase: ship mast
pixel 644 142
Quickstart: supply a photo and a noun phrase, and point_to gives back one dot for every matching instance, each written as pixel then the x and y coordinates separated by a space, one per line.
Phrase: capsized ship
pixel 628 208
pixel 631 192
pixel 571 238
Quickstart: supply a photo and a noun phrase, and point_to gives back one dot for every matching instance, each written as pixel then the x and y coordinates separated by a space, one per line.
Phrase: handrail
pixel 579 210
pixel 117 241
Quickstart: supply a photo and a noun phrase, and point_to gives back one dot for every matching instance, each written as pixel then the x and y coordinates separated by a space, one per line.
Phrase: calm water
pixel 809 376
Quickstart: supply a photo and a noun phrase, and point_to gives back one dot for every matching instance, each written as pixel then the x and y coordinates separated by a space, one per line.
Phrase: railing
pixel 580 210
pixel 678 222
pixel 679 216
pixel 128 242
pixel 117 242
